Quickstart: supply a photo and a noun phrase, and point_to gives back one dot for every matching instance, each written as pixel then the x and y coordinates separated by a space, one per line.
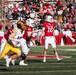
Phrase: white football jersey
pixel 15 41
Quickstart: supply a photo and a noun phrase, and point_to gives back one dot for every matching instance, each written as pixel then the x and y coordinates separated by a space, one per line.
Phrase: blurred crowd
pixel 64 15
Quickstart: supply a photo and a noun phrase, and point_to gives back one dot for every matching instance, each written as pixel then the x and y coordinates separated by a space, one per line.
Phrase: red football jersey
pixel 49 28
pixel 1 36
pixel 6 35
pixel 27 30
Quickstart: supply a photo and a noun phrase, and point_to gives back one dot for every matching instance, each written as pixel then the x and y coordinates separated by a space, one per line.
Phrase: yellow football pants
pixel 8 48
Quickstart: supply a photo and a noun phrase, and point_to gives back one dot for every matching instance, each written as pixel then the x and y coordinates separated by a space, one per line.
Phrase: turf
pixel 36 66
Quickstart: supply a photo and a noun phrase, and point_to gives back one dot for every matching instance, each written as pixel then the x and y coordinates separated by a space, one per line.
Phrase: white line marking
pixel 41 71
pixel 68 49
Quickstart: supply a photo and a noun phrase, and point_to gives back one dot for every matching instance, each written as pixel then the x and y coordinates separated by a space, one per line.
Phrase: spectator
pixel 9 15
pixel 69 37
pixel 10 5
pixel 5 9
pixel 70 26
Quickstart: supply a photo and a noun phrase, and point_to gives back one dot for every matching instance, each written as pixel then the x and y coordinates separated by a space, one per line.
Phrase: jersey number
pixel 50 29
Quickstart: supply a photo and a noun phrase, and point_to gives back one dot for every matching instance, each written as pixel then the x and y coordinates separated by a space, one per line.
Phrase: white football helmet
pixel 14 24
pixel 49 18
pixel 30 22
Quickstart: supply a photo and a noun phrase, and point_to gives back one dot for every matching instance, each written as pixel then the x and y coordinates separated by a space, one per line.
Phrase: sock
pixel 57 58
pixel 23 56
pixel 6 57
pixel 10 59
pixel 13 60
pixel 45 58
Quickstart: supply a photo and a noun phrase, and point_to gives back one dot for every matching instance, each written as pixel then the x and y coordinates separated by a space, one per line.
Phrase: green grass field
pixel 36 66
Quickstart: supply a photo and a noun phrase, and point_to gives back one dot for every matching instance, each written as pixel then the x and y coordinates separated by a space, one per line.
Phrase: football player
pixel 12 45
pixel 24 41
pixel 2 39
pixel 47 30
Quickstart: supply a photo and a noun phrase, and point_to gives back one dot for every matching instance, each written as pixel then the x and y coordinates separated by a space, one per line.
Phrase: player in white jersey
pixel 12 45
pixel 26 36
pixel 21 43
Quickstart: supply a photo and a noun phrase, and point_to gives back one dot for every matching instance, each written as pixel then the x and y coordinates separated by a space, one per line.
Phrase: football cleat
pixel 60 59
pixel 8 62
pixel 44 60
pixel 22 63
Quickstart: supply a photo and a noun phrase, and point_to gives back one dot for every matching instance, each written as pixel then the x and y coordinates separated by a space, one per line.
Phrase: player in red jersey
pixel 25 40
pixel 2 39
pixel 48 31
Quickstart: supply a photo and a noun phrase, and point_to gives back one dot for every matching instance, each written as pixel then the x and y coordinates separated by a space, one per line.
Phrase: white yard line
pixel 17 72
pixel 68 49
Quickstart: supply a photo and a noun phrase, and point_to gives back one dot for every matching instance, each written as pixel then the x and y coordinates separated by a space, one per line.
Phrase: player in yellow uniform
pixel 12 45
